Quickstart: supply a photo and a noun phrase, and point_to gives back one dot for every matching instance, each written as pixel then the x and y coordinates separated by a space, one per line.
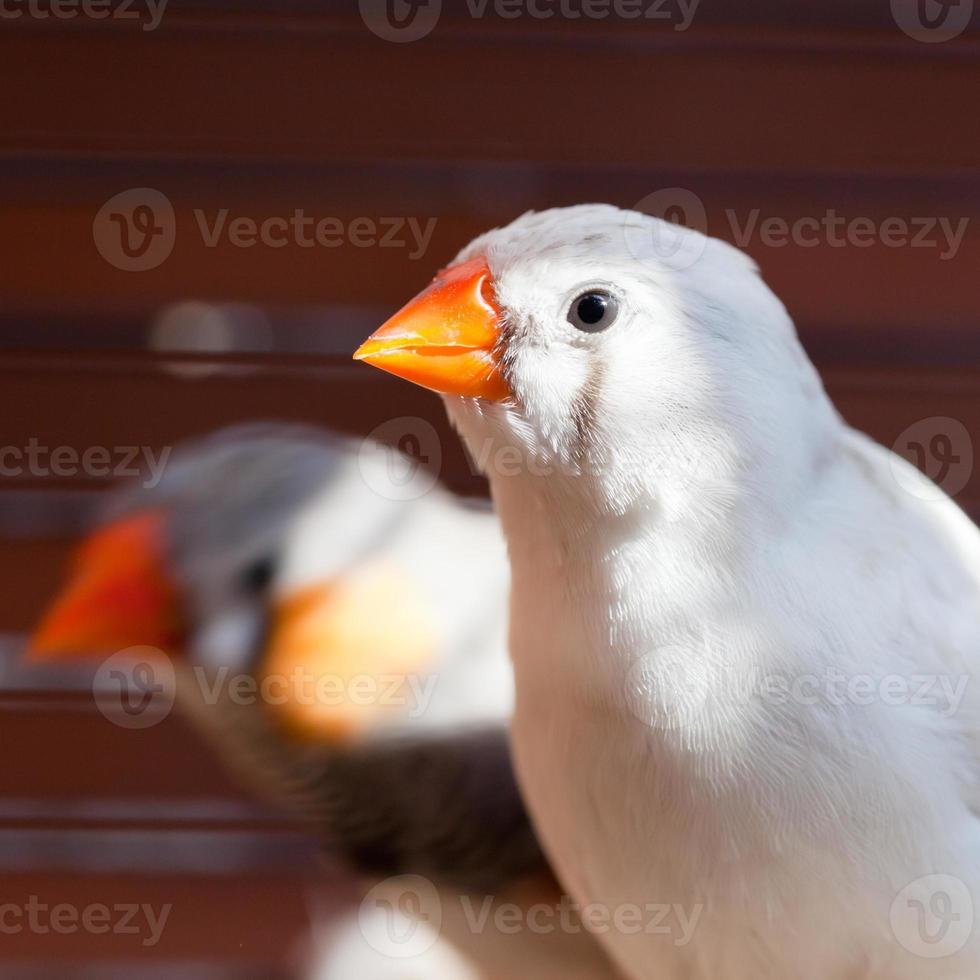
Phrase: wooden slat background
pixel 262 109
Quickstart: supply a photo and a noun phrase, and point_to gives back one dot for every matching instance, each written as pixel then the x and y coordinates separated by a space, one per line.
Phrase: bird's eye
pixel 593 311
pixel 257 577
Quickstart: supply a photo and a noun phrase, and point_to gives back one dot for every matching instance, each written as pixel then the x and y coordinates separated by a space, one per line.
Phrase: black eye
pixel 593 311
pixel 258 576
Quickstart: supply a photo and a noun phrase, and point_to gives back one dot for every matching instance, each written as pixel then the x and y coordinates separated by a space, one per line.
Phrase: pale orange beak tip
pixel 373 623
pixel 447 338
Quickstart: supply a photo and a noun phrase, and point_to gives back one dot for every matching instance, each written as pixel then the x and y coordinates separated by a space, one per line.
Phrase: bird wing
pixel 443 803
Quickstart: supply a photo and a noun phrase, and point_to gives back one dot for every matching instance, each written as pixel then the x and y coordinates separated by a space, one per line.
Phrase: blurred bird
pixel 690 523
pixel 373 628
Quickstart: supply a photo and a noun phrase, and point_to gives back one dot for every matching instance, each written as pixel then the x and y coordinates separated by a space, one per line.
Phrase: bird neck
pixel 601 581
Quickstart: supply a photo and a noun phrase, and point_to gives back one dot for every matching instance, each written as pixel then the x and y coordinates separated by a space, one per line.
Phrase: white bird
pixel 289 557
pixel 720 593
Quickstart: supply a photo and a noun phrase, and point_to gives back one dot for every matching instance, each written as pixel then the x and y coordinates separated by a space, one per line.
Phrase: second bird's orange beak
pixel 447 338
pixel 118 595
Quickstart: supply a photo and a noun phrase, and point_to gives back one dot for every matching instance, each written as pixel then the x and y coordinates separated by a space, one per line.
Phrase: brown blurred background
pixel 128 324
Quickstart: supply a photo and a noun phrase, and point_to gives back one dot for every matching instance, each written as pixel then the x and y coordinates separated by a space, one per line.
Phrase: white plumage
pixel 698 542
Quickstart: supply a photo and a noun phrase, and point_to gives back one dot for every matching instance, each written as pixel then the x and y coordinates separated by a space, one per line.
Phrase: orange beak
pixel 338 648
pixel 446 339
pixel 118 595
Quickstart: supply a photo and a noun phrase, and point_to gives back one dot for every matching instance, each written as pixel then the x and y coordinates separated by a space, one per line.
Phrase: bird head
pixel 257 554
pixel 634 356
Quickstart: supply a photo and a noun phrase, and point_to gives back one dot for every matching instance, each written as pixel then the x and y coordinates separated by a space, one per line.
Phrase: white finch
pixel 720 593
pixel 288 556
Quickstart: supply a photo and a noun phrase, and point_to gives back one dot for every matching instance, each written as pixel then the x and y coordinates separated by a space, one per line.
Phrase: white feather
pixel 710 525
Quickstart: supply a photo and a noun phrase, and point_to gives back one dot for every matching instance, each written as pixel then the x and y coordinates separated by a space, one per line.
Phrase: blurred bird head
pixel 259 553
pixel 610 345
